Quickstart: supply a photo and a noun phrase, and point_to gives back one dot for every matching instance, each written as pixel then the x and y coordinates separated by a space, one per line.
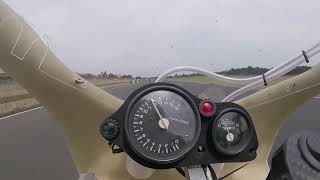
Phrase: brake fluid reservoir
pixel 138 171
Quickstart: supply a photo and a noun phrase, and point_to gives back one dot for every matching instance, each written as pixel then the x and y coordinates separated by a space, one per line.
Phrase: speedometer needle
pixel 165 122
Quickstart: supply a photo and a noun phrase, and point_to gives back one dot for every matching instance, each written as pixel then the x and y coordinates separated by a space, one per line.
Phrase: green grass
pixel 15 99
pixel 18 106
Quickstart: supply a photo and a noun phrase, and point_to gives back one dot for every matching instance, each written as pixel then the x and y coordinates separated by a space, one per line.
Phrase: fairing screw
pixel 79 81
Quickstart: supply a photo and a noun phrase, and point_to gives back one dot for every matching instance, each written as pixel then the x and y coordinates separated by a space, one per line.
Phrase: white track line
pixel 21 113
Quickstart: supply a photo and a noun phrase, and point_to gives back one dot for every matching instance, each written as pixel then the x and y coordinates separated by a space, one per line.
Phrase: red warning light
pixel 207 109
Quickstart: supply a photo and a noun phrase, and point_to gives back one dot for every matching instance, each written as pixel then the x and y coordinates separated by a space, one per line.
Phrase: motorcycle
pixel 162 131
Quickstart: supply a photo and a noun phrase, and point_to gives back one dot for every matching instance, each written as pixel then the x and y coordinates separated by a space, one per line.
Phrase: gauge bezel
pixel 177 91
pixel 246 141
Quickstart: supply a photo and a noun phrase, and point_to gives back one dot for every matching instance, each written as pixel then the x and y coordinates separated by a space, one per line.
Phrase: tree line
pixel 245 71
pixel 105 75
pixel 249 71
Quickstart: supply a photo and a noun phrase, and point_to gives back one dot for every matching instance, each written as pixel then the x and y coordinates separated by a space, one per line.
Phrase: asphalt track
pixel 32 145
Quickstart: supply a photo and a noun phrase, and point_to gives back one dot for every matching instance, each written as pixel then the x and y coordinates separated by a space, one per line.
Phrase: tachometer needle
pixel 164 122
pixel 155 107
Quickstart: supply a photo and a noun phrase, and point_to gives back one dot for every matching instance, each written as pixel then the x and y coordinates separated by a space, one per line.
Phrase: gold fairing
pixel 80 108
pixel 269 109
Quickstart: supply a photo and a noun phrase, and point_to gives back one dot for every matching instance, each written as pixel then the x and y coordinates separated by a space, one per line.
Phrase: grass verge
pixel 15 99
pixel 208 80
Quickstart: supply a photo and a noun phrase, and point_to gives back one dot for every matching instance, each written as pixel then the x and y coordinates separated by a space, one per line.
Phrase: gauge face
pixel 231 132
pixel 162 126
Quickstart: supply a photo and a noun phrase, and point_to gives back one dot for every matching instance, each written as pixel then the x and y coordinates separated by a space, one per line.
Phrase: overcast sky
pixel 146 37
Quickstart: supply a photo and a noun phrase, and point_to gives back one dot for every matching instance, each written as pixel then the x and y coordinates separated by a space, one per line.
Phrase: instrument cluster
pixel 163 126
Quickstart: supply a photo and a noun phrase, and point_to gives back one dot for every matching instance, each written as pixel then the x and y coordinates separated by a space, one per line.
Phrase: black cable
pixel 232 172
pixel 213 174
pixel 181 171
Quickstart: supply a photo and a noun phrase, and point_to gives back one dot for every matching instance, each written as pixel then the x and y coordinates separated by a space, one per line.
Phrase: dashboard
pixel 163 126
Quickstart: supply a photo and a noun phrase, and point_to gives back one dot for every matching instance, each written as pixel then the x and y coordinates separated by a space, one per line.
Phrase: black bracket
pixel 115 149
pixel 264 80
pixel 305 56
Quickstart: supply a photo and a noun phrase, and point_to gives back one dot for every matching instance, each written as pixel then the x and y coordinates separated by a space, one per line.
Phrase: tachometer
pixel 162 125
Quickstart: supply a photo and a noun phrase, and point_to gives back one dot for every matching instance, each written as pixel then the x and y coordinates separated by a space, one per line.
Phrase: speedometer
pixel 162 125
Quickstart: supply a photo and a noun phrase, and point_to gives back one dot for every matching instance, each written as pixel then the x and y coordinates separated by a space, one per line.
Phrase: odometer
pixel 162 125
